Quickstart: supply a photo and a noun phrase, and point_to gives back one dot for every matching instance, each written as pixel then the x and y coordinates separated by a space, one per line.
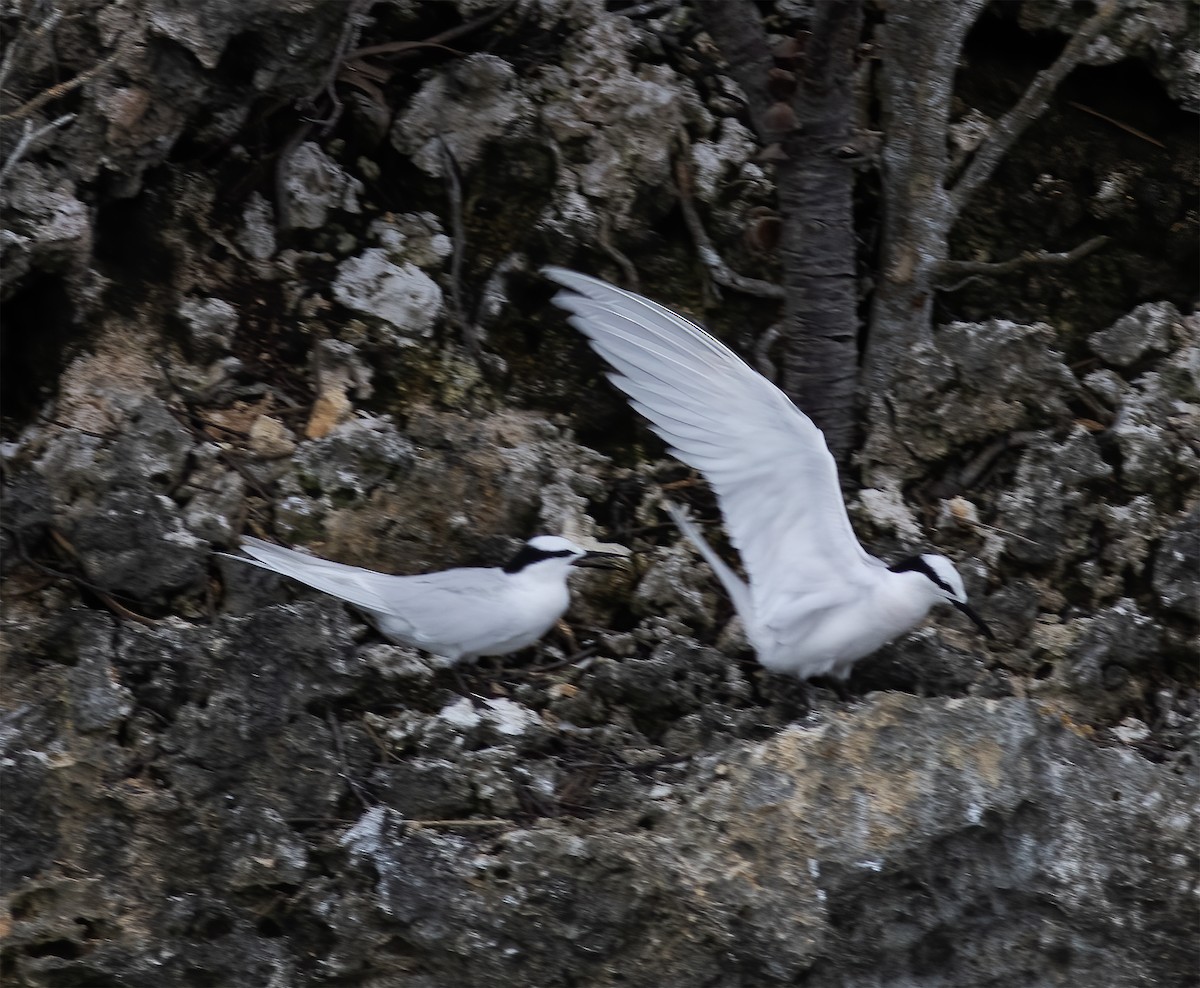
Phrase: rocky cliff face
pixel 272 267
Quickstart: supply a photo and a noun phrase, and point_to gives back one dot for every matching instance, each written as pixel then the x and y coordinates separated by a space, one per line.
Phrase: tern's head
pixel 944 583
pixel 550 554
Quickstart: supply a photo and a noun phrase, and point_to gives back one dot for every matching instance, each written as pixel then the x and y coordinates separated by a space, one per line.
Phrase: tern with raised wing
pixel 458 613
pixel 814 601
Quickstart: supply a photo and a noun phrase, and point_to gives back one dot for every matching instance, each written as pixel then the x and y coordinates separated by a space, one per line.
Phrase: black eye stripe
pixel 915 564
pixel 527 555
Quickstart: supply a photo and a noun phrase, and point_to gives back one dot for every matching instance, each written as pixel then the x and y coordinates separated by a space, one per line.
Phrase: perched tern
pixel 457 613
pixel 815 601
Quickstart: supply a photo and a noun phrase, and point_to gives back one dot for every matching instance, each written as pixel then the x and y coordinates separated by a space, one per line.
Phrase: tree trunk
pixel 818 246
pixel 919 54
pixel 815 186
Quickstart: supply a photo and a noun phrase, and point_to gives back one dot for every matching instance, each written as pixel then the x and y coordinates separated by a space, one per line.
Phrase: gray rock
pixel 1151 432
pixel 1104 670
pixel 315 185
pixel 1177 567
pixel 1049 506
pixel 426 789
pixel 257 235
pixel 354 460
pixel 401 295
pixel 975 381
pixel 263 850
pixel 675 579
pixel 929 661
pixel 46 226
pixel 134 543
pixel 1004 793
pixel 211 322
pixel 1147 329
pixel 148 450
pixel 213 498
pixel 29 825
pixel 473 101
pixel 874 828
pixel 98 701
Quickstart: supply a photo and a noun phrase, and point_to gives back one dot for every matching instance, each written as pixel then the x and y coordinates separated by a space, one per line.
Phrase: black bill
pixel 969 611
pixel 601 560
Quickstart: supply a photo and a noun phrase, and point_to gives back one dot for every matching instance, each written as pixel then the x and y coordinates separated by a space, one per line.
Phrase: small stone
pixel 271 438
pixel 401 295
pixel 315 185
pixel 1147 329
pixel 1131 730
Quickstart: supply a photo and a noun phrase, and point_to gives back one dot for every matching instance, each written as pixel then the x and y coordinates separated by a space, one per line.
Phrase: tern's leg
pixel 476 698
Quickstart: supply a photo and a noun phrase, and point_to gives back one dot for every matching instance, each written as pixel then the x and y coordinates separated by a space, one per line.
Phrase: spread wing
pixel 767 462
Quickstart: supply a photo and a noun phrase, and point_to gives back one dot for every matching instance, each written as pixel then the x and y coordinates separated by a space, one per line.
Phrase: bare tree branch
pixel 28 138
pixel 919 50
pixel 62 89
pixel 23 38
pixel 604 238
pixel 721 273
pixel 951 269
pixel 1030 106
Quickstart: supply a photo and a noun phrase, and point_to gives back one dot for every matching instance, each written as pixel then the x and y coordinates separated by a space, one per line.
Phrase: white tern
pixel 814 601
pixel 457 613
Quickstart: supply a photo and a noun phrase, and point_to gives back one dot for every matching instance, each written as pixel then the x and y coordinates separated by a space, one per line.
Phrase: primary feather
pixel 815 600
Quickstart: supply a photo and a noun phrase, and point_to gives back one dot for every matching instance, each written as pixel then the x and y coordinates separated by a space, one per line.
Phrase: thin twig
pixel 28 137
pixel 449 34
pixel 949 268
pixel 624 263
pixel 1003 531
pixel 398 48
pixel 652 8
pixel 340 749
pixel 458 241
pixel 1117 123
pixel 720 272
pixel 62 89
pixel 18 43
pixel 570 660
pixel 970 475
pixel 351 30
pixel 58 423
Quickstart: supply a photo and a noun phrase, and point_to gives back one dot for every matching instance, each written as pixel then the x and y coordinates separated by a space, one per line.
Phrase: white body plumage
pixel 457 613
pixel 815 601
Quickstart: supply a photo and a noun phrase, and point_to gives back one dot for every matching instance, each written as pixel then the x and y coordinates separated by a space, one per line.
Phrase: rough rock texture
pixel 233 304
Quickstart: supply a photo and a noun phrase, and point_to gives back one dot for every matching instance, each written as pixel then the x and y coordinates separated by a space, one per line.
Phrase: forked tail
pixel 350 583
pixel 738 592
